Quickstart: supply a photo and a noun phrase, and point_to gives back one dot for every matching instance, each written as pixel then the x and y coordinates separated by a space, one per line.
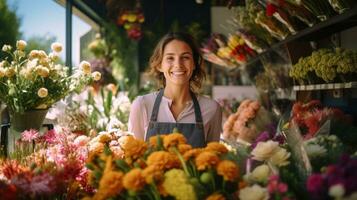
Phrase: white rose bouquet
pixel 35 80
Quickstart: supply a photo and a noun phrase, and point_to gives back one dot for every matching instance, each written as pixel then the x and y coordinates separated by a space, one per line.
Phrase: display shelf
pixel 327 86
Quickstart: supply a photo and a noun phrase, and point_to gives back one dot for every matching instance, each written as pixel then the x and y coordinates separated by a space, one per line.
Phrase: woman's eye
pixel 169 58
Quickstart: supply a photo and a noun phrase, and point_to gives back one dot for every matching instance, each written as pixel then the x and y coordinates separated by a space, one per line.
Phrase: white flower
pixel 56 47
pixel 280 157
pixel 6 48
pixel 41 106
pixel 81 140
pixel 2 64
pixel 315 150
pixel 255 192
pixel 9 72
pixel 96 76
pixel 21 44
pixel 85 67
pixel 114 123
pixel 42 92
pixel 2 72
pixel 336 191
pixel 260 173
pixel 42 71
pixel 264 150
pixel 53 56
pixel 34 54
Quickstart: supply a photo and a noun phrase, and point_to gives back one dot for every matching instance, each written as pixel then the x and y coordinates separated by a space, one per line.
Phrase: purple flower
pixel 29 135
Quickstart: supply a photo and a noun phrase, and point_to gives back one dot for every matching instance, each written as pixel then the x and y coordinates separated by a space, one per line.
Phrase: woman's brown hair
pixel 198 73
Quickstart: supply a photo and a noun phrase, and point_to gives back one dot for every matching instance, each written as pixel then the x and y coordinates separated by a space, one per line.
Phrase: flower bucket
pixel 31 119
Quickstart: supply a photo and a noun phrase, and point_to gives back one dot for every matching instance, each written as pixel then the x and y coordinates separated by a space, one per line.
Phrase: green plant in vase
pixel 31 82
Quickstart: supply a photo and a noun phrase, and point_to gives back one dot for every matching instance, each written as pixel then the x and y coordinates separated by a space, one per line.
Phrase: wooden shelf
pixel 327 86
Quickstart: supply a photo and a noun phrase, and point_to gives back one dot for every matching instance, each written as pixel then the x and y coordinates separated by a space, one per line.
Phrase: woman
pixel 178 64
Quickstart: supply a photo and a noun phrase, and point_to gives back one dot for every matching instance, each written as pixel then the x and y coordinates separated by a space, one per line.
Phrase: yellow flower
pixel 215 196
pixel 254 192
pixel 53 56
pixel 228 169
pixel 206 160
pixel 20 45
pixel 2 72
pixel 56 47
pixel 85 67
pixel 96 76
pixel 134 180
pixel 216 147
pixel 42 54
pixel 192 153
pixel 177 185
pixel 152 174
pixel 42 92
pixel 9 72
pixel 163 160
pixel 132 147
pixel 260 173
pixel 174 139
pixel 280 157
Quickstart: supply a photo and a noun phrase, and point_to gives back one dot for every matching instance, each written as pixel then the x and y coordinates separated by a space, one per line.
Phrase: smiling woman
pixel 177 63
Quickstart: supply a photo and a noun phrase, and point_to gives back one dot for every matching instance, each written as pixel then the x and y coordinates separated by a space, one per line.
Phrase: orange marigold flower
pixel 173 140
pixel 215 196
pixel 109 185
pixel 152 173
pixel 153 140
pixel 206 160
pixel 216 147
pixel 134 180
pixel 103 138
pixel 132 147
pixel 228 169
pixel 192 153
pixel 182 148
pixel 163 160
pixel 162 190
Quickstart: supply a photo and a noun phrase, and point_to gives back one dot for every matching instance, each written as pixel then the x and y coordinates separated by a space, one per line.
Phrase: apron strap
pixel 155 110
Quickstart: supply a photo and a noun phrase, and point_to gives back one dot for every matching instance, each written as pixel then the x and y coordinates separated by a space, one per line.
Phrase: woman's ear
pixel 159 68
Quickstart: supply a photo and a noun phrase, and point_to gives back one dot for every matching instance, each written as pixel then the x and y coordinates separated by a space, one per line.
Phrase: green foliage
pixel 10 24
pixel 40 42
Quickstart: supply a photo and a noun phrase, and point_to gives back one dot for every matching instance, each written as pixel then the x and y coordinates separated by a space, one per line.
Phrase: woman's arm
pixel 215 125
pixel 137 117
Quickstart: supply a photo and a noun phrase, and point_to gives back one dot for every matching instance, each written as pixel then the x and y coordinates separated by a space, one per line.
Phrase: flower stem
pixel 183 163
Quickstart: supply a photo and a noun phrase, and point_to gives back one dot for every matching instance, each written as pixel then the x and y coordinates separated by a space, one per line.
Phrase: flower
pixel 254 192
pixel 174 139
pixel 264 150
pixel 152 173
pixel 56 47
pixel 134 180
pixel 20 45
pixel 280 157
pixel 216 147
pixel 132 147
pixel 163 160
pixel 96 76
pixel 228 169
pixel 315 150
pixel 6 48
pixel 260 173
pixel 337 191
pixel 315 183
pixel 215 196
pixel 176 184
pixel 29 135
pixel 42 92
pixel 206 160
pixel 85 67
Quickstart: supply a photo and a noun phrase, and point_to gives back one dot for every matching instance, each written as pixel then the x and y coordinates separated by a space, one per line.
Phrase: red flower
pixel 271 9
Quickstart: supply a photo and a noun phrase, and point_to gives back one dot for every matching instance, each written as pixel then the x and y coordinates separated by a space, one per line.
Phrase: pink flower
pixel 29 135
pixel 282 187
pixel 315 183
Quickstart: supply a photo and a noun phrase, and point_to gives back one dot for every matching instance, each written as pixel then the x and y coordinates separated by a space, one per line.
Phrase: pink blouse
pixel 142 106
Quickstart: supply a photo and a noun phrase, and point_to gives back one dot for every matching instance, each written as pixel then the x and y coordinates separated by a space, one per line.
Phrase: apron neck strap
pixel 155 110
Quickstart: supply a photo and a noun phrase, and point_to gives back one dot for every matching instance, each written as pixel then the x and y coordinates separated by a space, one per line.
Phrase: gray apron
pixel 193 132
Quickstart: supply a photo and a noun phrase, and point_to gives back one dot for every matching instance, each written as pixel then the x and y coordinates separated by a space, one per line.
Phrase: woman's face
pixel 177 63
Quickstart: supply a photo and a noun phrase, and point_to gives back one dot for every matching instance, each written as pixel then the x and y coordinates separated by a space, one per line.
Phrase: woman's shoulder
pixel 207 102
pixel 145 99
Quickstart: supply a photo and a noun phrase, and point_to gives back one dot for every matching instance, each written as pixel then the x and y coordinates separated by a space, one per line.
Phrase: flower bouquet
pixel 165 168
pixel 341 6
pixel 320 8
pixel 245 125
pixel 35 81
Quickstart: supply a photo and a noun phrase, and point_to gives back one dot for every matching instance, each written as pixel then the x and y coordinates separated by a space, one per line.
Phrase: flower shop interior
pixel 283 74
